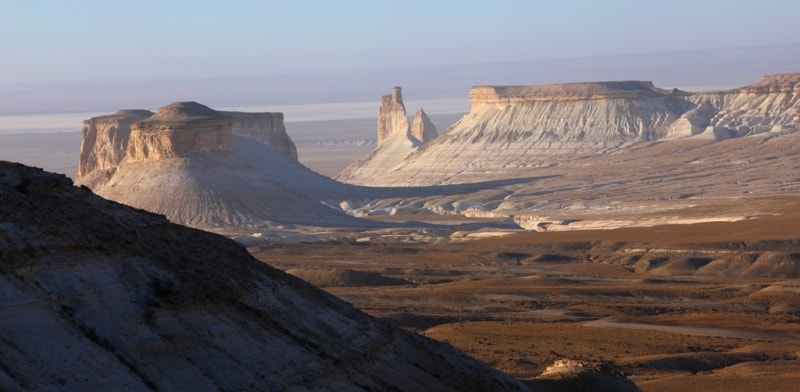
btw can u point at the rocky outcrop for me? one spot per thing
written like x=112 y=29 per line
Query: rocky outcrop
x=104 y=142
x=504 y=95
x=265 y=127
x=392 y=118
x=95 y=295
x=422 y=128
x=175 y=130
x=514 y=128
x=396 y=140
x=771 y=104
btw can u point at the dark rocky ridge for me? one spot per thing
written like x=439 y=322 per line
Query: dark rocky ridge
x=98 y=296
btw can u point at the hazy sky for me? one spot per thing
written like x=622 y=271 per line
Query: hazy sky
x=80 y=55
x=78 y=40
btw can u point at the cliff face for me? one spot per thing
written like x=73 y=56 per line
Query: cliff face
x=187 y=163
x=392 y=118
x=105 y=140
x=264 y=127
x=178 y=129
x=514 y=128
x=95 y=295
x=174 y=131
x=422 y=128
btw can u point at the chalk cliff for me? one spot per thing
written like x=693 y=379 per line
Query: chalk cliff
x=105 y=142
x=97 y=296
x=186 y=163
x=265 y=127
x=177 y=130
x=510 y=129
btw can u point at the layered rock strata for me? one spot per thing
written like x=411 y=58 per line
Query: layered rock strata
x=179 y=128
x=186 y=163
x=511 y=129
x=104 y=142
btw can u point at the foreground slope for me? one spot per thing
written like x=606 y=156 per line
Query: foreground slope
x=99 y=296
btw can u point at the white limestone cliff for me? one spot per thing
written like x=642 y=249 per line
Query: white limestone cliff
x=510 y=129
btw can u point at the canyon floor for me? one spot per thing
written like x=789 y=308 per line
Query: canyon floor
x=710 y=306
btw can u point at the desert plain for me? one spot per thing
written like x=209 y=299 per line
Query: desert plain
x=669 y=305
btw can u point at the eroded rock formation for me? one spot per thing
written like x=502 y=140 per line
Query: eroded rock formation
x=187 y=163
x=392 y=118
x=175 y=130
x=422 y=128
x=178 y=129
x=105 y=140
x=514 y=128
x=95 y=295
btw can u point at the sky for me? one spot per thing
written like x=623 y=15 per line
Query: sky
x=80 y=53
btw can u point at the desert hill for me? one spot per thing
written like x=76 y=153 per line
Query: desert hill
x=511 y=129
x=99 y=296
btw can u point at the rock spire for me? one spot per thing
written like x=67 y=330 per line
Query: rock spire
x=422 y=128
x=392 y=118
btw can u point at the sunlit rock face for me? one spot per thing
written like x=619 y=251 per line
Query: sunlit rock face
x=178 y=129
x=104 y=142
x=210 y=169
x=392 y=118
x=512 y=129
x=175 y=130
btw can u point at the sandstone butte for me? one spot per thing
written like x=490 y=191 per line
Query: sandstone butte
x=514 y=128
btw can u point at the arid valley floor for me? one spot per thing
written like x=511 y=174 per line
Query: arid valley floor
x=671 y=306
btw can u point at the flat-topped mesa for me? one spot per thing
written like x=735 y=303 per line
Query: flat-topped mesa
x=422 y=128
x=265 y=127
x=178 y=129
x=104 y=142
x=392 y=118
x=632 y=89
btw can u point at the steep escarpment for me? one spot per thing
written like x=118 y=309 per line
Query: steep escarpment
x=512 y=129
x=177 y=130
x=104 y=142
x=264 y=127
x=98 y=296
x=174 y=131
x=186 y=163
